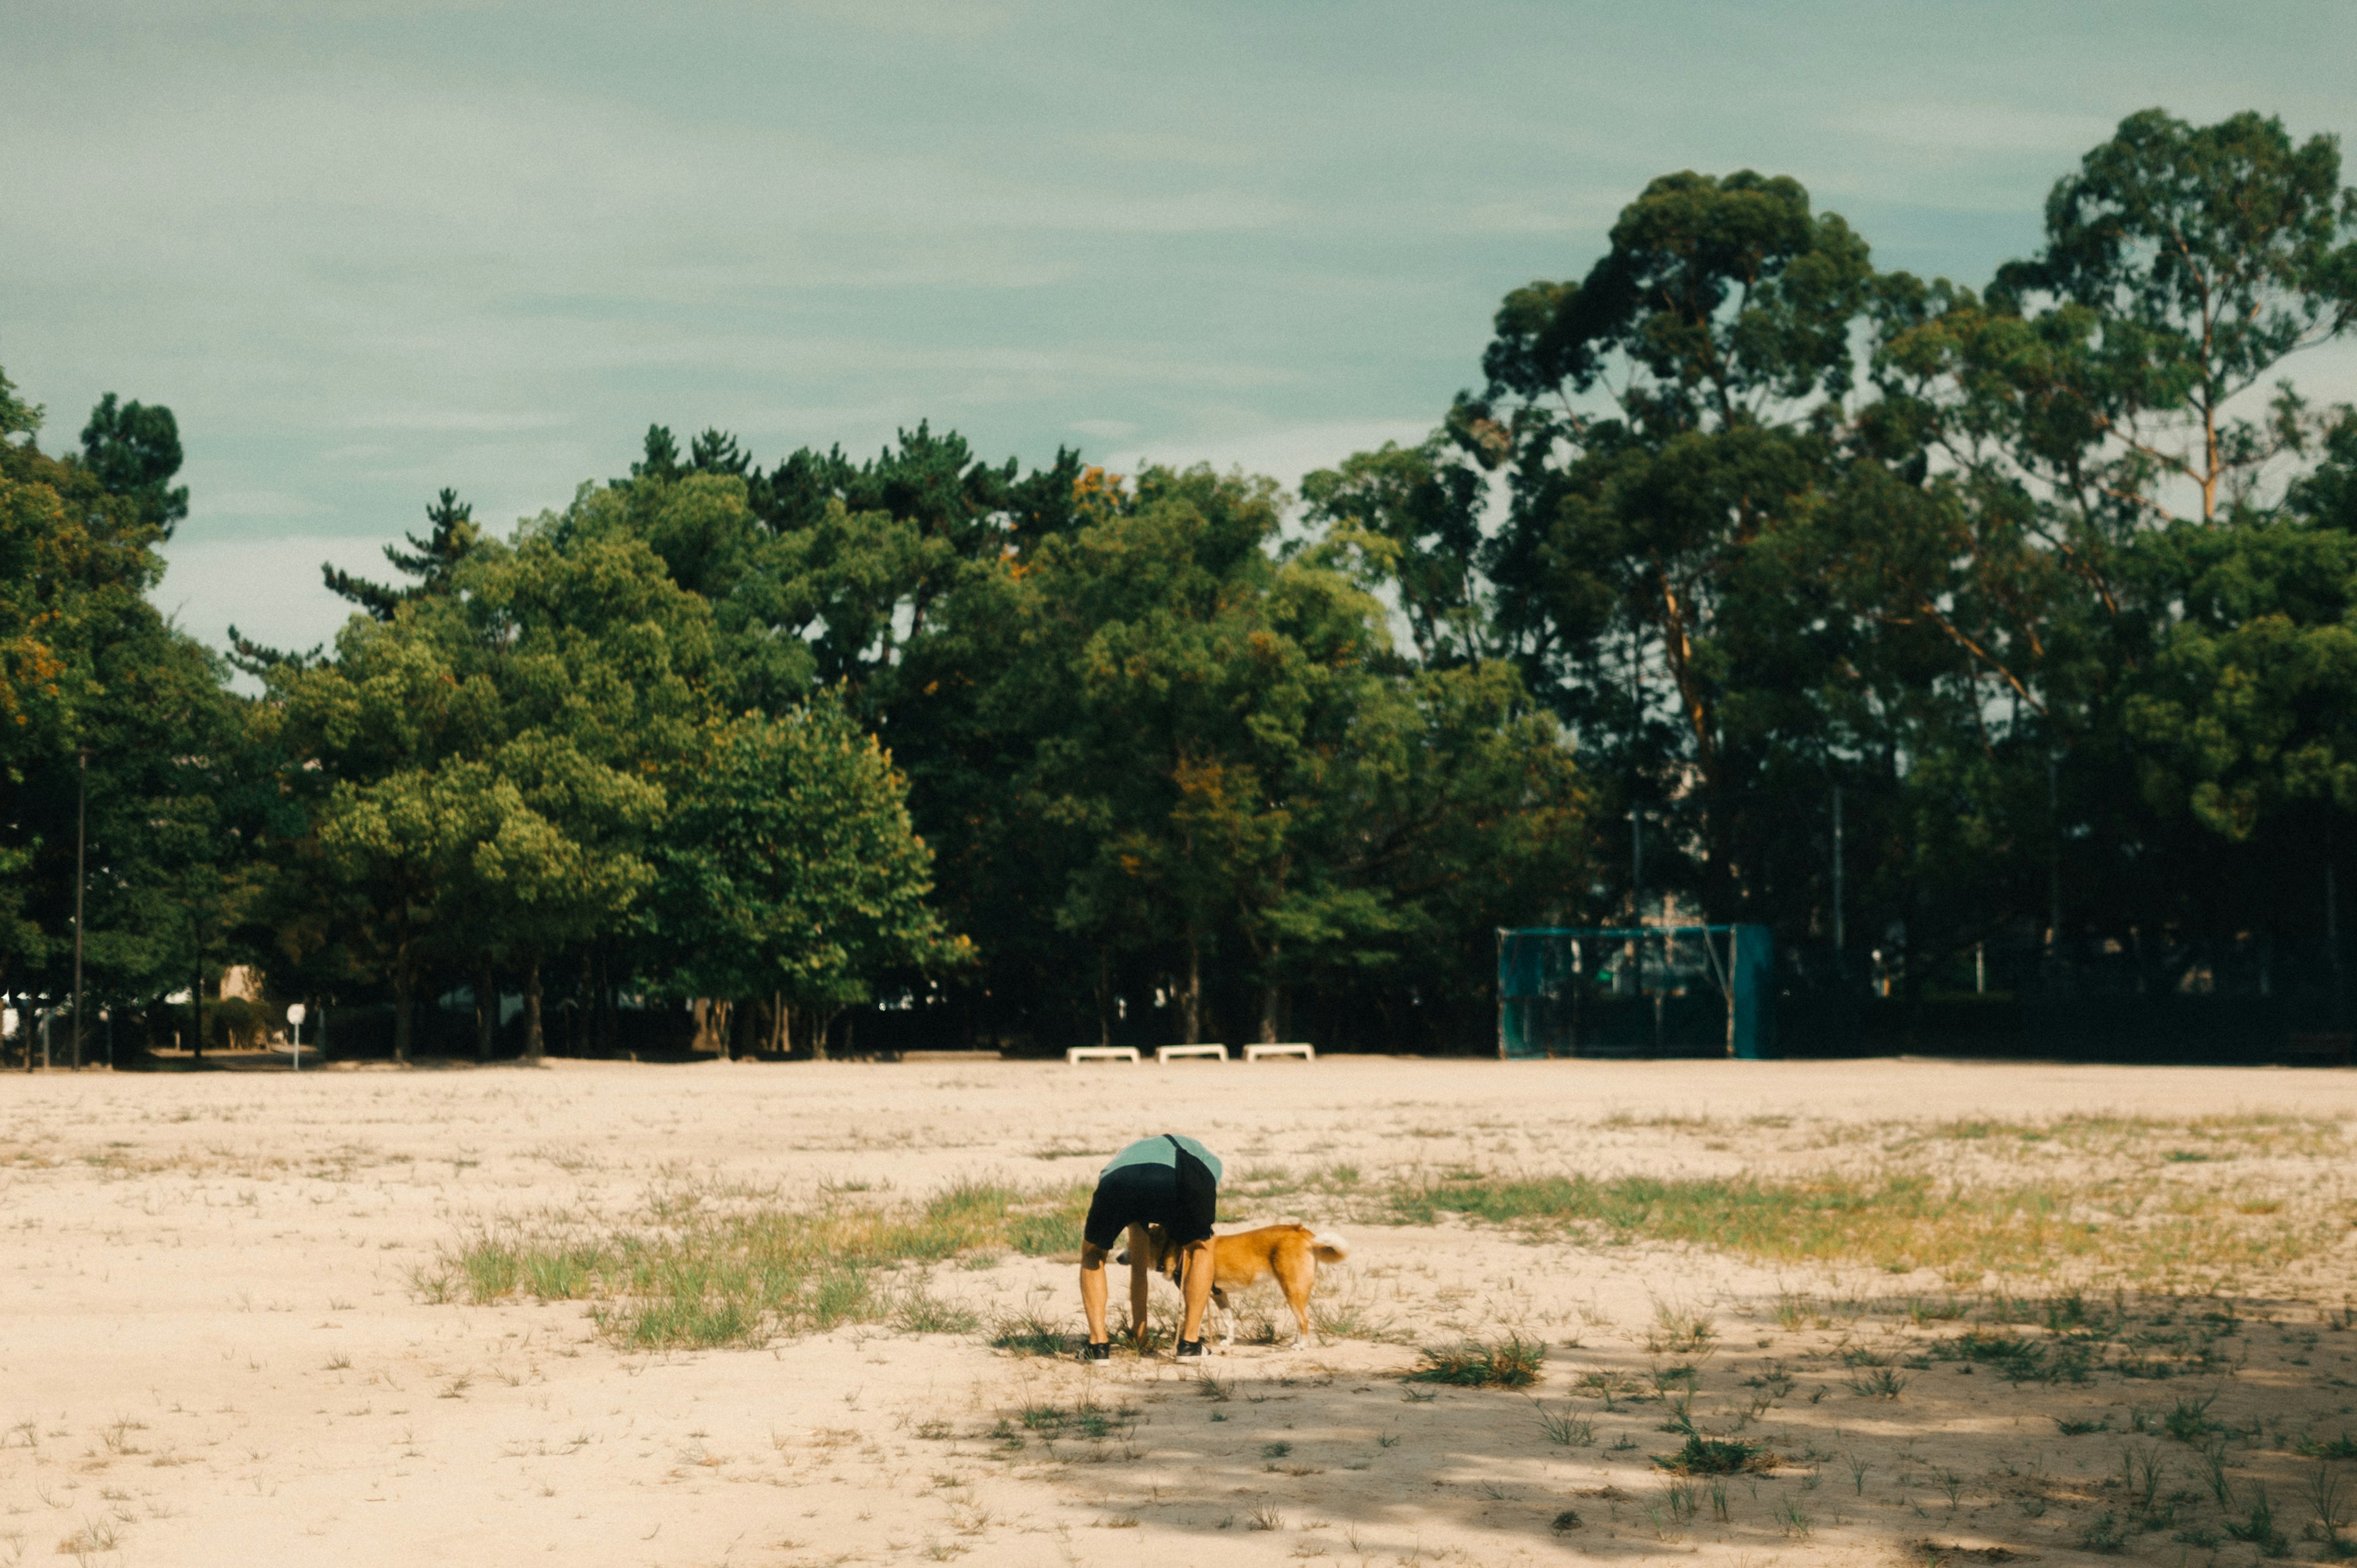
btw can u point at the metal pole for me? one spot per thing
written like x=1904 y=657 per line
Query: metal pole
x=82 y=835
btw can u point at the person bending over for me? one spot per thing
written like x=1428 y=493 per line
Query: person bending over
x=1170 y=1181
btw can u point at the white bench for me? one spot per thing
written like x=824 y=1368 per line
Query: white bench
x=1306 y=1051
x=1171 y=1053
x=1079 y=1053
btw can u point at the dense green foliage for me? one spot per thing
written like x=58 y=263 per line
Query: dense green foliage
x=2042 y=578
x=2054 y=580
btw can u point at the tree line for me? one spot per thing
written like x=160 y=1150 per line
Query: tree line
x=2050 y=580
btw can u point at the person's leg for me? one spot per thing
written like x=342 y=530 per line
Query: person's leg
x=1093 y=1290
x=1141 y=1275
x=1196 y=1262
x=1110 y=1208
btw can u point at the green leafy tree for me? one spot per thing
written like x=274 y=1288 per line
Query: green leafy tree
x=790 y=869
x=2182 y=264
x=1248 y=790
x=89 y=669
x=134 y=450
x=1656 y=421
x=486 y=758
x=2249 y=707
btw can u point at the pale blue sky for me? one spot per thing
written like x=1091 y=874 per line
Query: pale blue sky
x=364 y=250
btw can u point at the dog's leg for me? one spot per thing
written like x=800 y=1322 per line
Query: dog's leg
x=1298 y=1283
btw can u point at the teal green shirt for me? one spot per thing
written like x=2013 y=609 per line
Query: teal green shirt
x=1156 y=1151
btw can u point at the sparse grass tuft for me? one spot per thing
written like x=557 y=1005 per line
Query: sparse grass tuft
x=1512 y=1363
x=1029 y=1332
x=1882 y=1383
x=1569 y=1431
x=2258 y=1526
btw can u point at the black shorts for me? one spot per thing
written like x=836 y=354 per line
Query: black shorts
x=1183 y=1199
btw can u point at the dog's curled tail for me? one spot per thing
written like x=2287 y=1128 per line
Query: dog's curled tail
x=1328 y=1247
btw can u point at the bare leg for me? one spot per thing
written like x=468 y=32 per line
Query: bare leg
x=1141 y=1279
x=1197 y=1277
x=1093 y=1291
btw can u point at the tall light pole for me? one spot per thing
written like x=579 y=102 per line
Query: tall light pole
x=81 y=836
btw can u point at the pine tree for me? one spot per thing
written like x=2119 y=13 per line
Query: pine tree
x=430 y=560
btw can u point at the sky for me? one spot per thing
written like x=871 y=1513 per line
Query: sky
x=366 y=250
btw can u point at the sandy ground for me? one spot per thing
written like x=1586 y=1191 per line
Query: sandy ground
x=211 y=1350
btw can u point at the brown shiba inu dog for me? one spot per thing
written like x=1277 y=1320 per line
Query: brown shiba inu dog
x=1289 y=1254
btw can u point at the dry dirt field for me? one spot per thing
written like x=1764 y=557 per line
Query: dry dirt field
x=1792 y=1312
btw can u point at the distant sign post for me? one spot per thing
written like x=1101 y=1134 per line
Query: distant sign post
x=296 y=1013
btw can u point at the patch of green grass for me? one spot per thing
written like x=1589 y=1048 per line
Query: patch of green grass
x=1716 y=1456
x=2341 y=1447
x=1087 y=1419
x=1985 y=1347
x=1900 y=1221
x=699 y=1273
x=1512 y=1363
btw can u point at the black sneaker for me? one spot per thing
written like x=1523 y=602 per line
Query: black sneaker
x=1101 y=1351
x=1189 y=1350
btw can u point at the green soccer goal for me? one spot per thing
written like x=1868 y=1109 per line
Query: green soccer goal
x=1647 y=990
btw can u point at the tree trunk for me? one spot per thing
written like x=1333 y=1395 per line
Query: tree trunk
x=532 y=1044
x=1272 y=1013
x=1105 y=1005
x=196 y=1005
x=487 y=1012
x=744 y=1039
x=1191 y=996
x=781 y=1028
x=818 y=1035
x=609 y=1001
x=405 y=986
